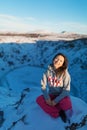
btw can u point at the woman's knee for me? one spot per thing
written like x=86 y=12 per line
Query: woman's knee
x=65 y=103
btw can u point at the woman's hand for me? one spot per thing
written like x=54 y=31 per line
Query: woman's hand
x=49 y=102
x=53 y=103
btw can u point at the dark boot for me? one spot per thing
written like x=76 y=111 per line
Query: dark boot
x=63 y=116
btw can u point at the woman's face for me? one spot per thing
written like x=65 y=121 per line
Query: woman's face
x=58 y=61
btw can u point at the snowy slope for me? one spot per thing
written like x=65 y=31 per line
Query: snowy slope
x=24 y=113
x=18 y=90
x=13 y=55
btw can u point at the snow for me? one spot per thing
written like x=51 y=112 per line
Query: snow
x=28 y=78
x=22 y=63
x=30 y=38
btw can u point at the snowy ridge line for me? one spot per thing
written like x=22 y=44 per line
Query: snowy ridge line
x=33 y=37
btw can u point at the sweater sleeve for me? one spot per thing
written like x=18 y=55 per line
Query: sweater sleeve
x=66 y=88
x=44 y=86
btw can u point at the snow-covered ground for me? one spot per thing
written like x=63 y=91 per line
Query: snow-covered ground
x=21 y=111
x=21 y=67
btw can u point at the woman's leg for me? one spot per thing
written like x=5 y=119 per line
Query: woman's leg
x=51 y=110
x=69 y=113
x=66 y=105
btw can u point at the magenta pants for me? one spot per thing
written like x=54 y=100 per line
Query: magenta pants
x=64 y=104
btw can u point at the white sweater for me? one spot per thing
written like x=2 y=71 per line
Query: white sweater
x=50 y=84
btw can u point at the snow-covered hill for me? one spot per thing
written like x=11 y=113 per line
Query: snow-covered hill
x=36 y=36
x=38 y=53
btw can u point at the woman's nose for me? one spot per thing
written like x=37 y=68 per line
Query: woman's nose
x=58 y=61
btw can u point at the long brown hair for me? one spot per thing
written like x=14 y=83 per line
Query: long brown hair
x=62 y=69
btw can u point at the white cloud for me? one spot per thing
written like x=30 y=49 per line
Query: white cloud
x=12 y=23
x=3 y=16
x=30 y=18
x=72 y=27
x=26 y=24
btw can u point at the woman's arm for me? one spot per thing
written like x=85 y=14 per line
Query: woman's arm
x=66 y=88
x=44 y=87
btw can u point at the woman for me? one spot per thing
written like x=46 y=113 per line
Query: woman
x=55 y=86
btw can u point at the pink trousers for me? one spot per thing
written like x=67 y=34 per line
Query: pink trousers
x=64 y=104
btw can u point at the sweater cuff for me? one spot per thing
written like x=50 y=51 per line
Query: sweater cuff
x=45 y=94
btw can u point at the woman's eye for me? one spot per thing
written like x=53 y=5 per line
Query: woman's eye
x=55 y=60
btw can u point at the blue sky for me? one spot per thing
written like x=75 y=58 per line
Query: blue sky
x=43 y=15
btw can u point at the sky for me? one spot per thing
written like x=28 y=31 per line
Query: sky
x=43 y=15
